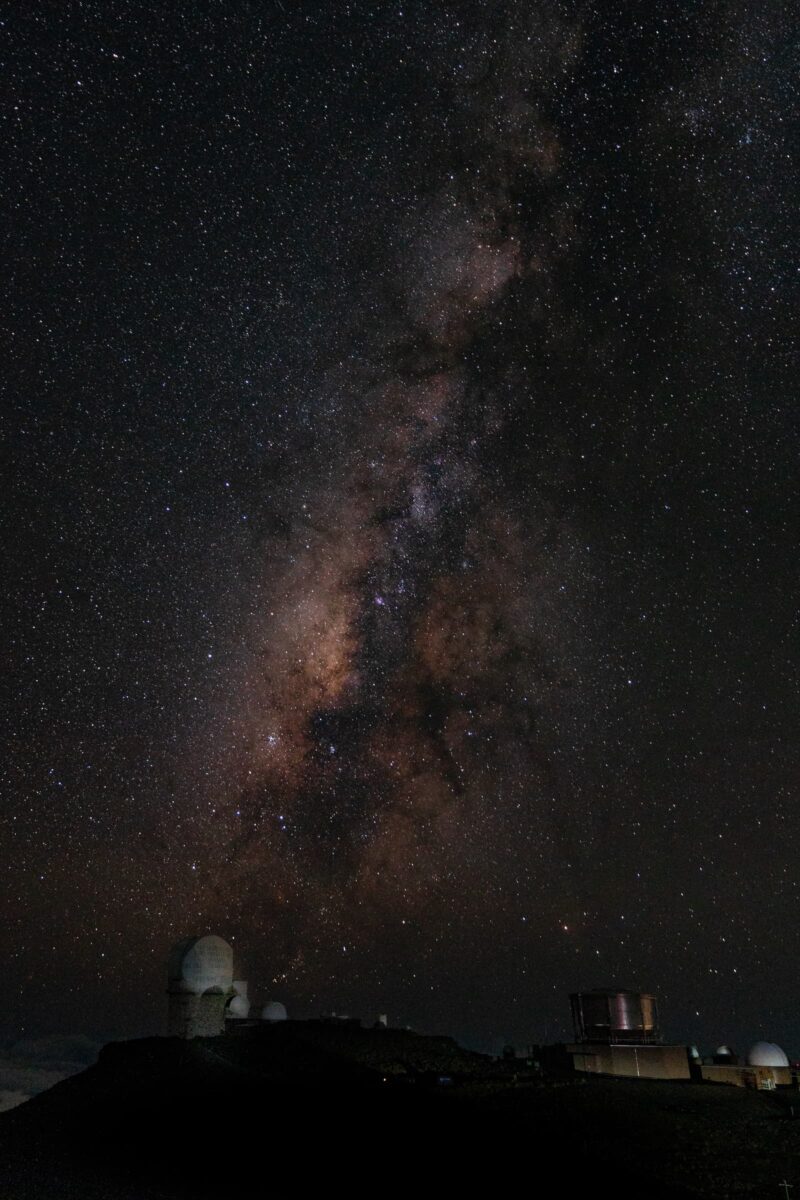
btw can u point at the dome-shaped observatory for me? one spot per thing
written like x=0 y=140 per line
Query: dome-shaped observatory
x=200 y=985
x=273 y=1010
x=201 y=964
x=766 y=1054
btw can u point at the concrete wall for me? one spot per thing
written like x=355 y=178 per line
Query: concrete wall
x=743 y=1076
x=196 y=1016
x=639 y=1062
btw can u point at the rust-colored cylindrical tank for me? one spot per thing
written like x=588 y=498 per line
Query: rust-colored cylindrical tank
x=615 y=1016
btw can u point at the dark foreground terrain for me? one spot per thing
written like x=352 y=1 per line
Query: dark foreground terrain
x=296 y=1109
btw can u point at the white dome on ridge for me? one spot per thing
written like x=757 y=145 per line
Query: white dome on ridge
x=240 y=1004
x=202 y=964
x=273 y=1011
x=766 y=1054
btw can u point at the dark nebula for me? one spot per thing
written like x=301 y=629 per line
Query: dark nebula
x=402 y=510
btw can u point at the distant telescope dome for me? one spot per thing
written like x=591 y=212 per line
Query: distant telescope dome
x=240 y=1004
x=202 y=964
x=273 y=1011
x=766 y=1054
x=239 y=1007
x=723 y=1052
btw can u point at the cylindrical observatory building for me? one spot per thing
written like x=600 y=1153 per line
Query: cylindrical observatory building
x=200 y=985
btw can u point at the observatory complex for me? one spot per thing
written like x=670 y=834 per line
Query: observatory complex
x=616 y=1032
x=202 y=993
x=765 y=1067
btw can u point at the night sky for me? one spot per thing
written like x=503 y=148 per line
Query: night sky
x=401 y=516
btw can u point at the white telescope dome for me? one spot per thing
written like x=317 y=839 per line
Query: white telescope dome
x=240 y=1004
x=239 y=1007
x=273 y=1011
x=202 y=964
x=766 y=1054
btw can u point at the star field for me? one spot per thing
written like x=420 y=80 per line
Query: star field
x=401 y=510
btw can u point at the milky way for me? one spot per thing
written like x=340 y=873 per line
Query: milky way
x=389 y=737
x=401 y=521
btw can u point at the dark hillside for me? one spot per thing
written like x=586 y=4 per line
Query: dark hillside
x=286 y=1110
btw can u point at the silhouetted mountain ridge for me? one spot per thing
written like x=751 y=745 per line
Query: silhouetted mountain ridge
x=285 y=1110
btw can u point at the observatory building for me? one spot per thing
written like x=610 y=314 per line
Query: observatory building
x=617 y=1033
x=273 y=1010
x=767 y=1054
x=204 y=998
x=239 y=1006
x=766 y=1068
x=615 y=1018
x=201 y=987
